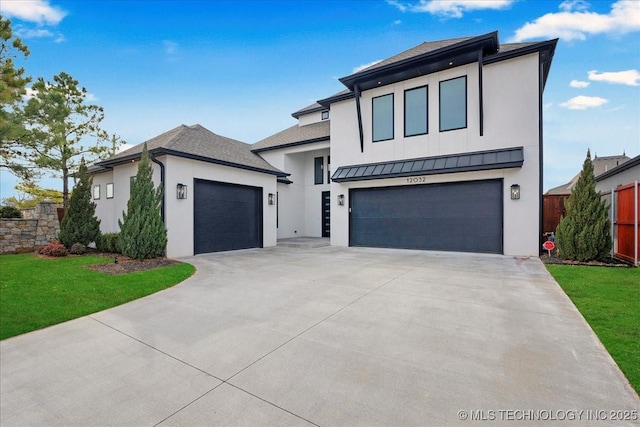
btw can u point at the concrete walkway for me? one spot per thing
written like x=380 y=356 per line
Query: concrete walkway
x=326 y=336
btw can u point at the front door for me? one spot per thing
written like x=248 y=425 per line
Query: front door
x=326 y=214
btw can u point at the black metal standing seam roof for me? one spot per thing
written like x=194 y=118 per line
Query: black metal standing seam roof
x=467 y=162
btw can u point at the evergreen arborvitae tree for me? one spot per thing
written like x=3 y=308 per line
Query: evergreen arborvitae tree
x=80 y=224
x=584 y=235
x=142 y=232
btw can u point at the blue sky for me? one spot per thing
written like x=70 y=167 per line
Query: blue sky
x=240 y=68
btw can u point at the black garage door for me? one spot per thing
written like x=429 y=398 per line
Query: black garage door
x=463 y=216
x=226 y=217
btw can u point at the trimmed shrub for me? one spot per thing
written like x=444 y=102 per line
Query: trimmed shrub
x=142 y=232
x=80 y=224
x=583 y=235
x=54 y=248
x=108 y=242
x=10 y=212
x=78 y=249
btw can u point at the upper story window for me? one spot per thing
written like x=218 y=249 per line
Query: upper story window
x=318 y=170
x=96 y=192
x=110 y=191
x=383 y=118
x=415 y=111
x=453 y=104
x=325 y=115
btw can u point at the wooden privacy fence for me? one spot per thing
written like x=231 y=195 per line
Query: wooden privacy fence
x=626 y=228
x=552 y=210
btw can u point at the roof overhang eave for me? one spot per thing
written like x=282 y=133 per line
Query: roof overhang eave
x=111 y=163
x=455 y=55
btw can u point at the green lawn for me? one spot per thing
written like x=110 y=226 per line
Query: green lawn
x=609 y=299
x=36 y=292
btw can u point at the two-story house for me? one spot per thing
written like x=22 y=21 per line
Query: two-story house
x=437 y=148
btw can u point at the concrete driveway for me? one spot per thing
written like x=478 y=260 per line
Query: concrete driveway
x=326 y=336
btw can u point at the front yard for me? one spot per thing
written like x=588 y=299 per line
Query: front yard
x=37 y=292
x=609 y=299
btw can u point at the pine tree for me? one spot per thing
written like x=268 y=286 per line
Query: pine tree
x=142 y=232
x=584 y=235
x=80 y=224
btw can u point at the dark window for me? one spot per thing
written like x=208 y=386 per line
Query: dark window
x=325 y=115
x=415 y=111
x=453 y=104
x=328 y=169
x=319 y=170
x=383 y=118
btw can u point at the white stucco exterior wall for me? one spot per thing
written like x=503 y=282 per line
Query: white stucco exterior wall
x=300 y=203
x=511 y=119
x=179 y=213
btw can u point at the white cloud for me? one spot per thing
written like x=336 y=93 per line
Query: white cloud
x=90 y=97
x=397 y=22
x=574 y=22
x=584 y=102
x=363 y=66
x=450 y=8
x=578 y=84
x=570 y=5
x=36 y=11
x=628 y=77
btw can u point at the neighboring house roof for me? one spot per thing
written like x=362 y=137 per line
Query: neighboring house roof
x=481 y=160
x=295 y=135
x=620 y=168
x=600 y=166
x=198 y=143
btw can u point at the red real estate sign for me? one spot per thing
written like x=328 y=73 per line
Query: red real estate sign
x=549 y=245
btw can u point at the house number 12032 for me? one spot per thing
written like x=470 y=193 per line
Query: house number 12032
x=416 y=180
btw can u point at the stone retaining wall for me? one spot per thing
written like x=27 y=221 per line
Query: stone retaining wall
x=26 y=234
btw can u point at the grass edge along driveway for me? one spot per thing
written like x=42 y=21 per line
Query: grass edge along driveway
x=37 y=292
x=609 y=300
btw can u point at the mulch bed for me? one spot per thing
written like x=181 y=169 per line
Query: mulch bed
x=607 y=262
x=121 y=264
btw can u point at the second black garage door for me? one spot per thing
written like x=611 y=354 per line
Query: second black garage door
x=462 y=216
x=226 y=217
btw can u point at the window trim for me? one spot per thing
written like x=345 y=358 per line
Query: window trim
x=426 y=87
x=466 y=103
x=109 y=190
x=373 y=126
x=96 y=192
x=318 y=176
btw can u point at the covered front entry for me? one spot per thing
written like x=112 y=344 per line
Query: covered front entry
x=461 y=216
x=226 y=216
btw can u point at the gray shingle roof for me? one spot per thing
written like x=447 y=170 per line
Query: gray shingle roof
x=295 y=135
x=600 y=166
x=308 y=109
x=198 y=142
x=421 y=49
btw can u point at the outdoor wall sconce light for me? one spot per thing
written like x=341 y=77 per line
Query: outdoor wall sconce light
x=515 y=192
x=271 y=199
x=181 y=191
x=341 y=200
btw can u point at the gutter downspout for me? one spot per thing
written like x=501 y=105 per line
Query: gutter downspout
x=164 y=192
x=356 y=89
x=480 y=97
